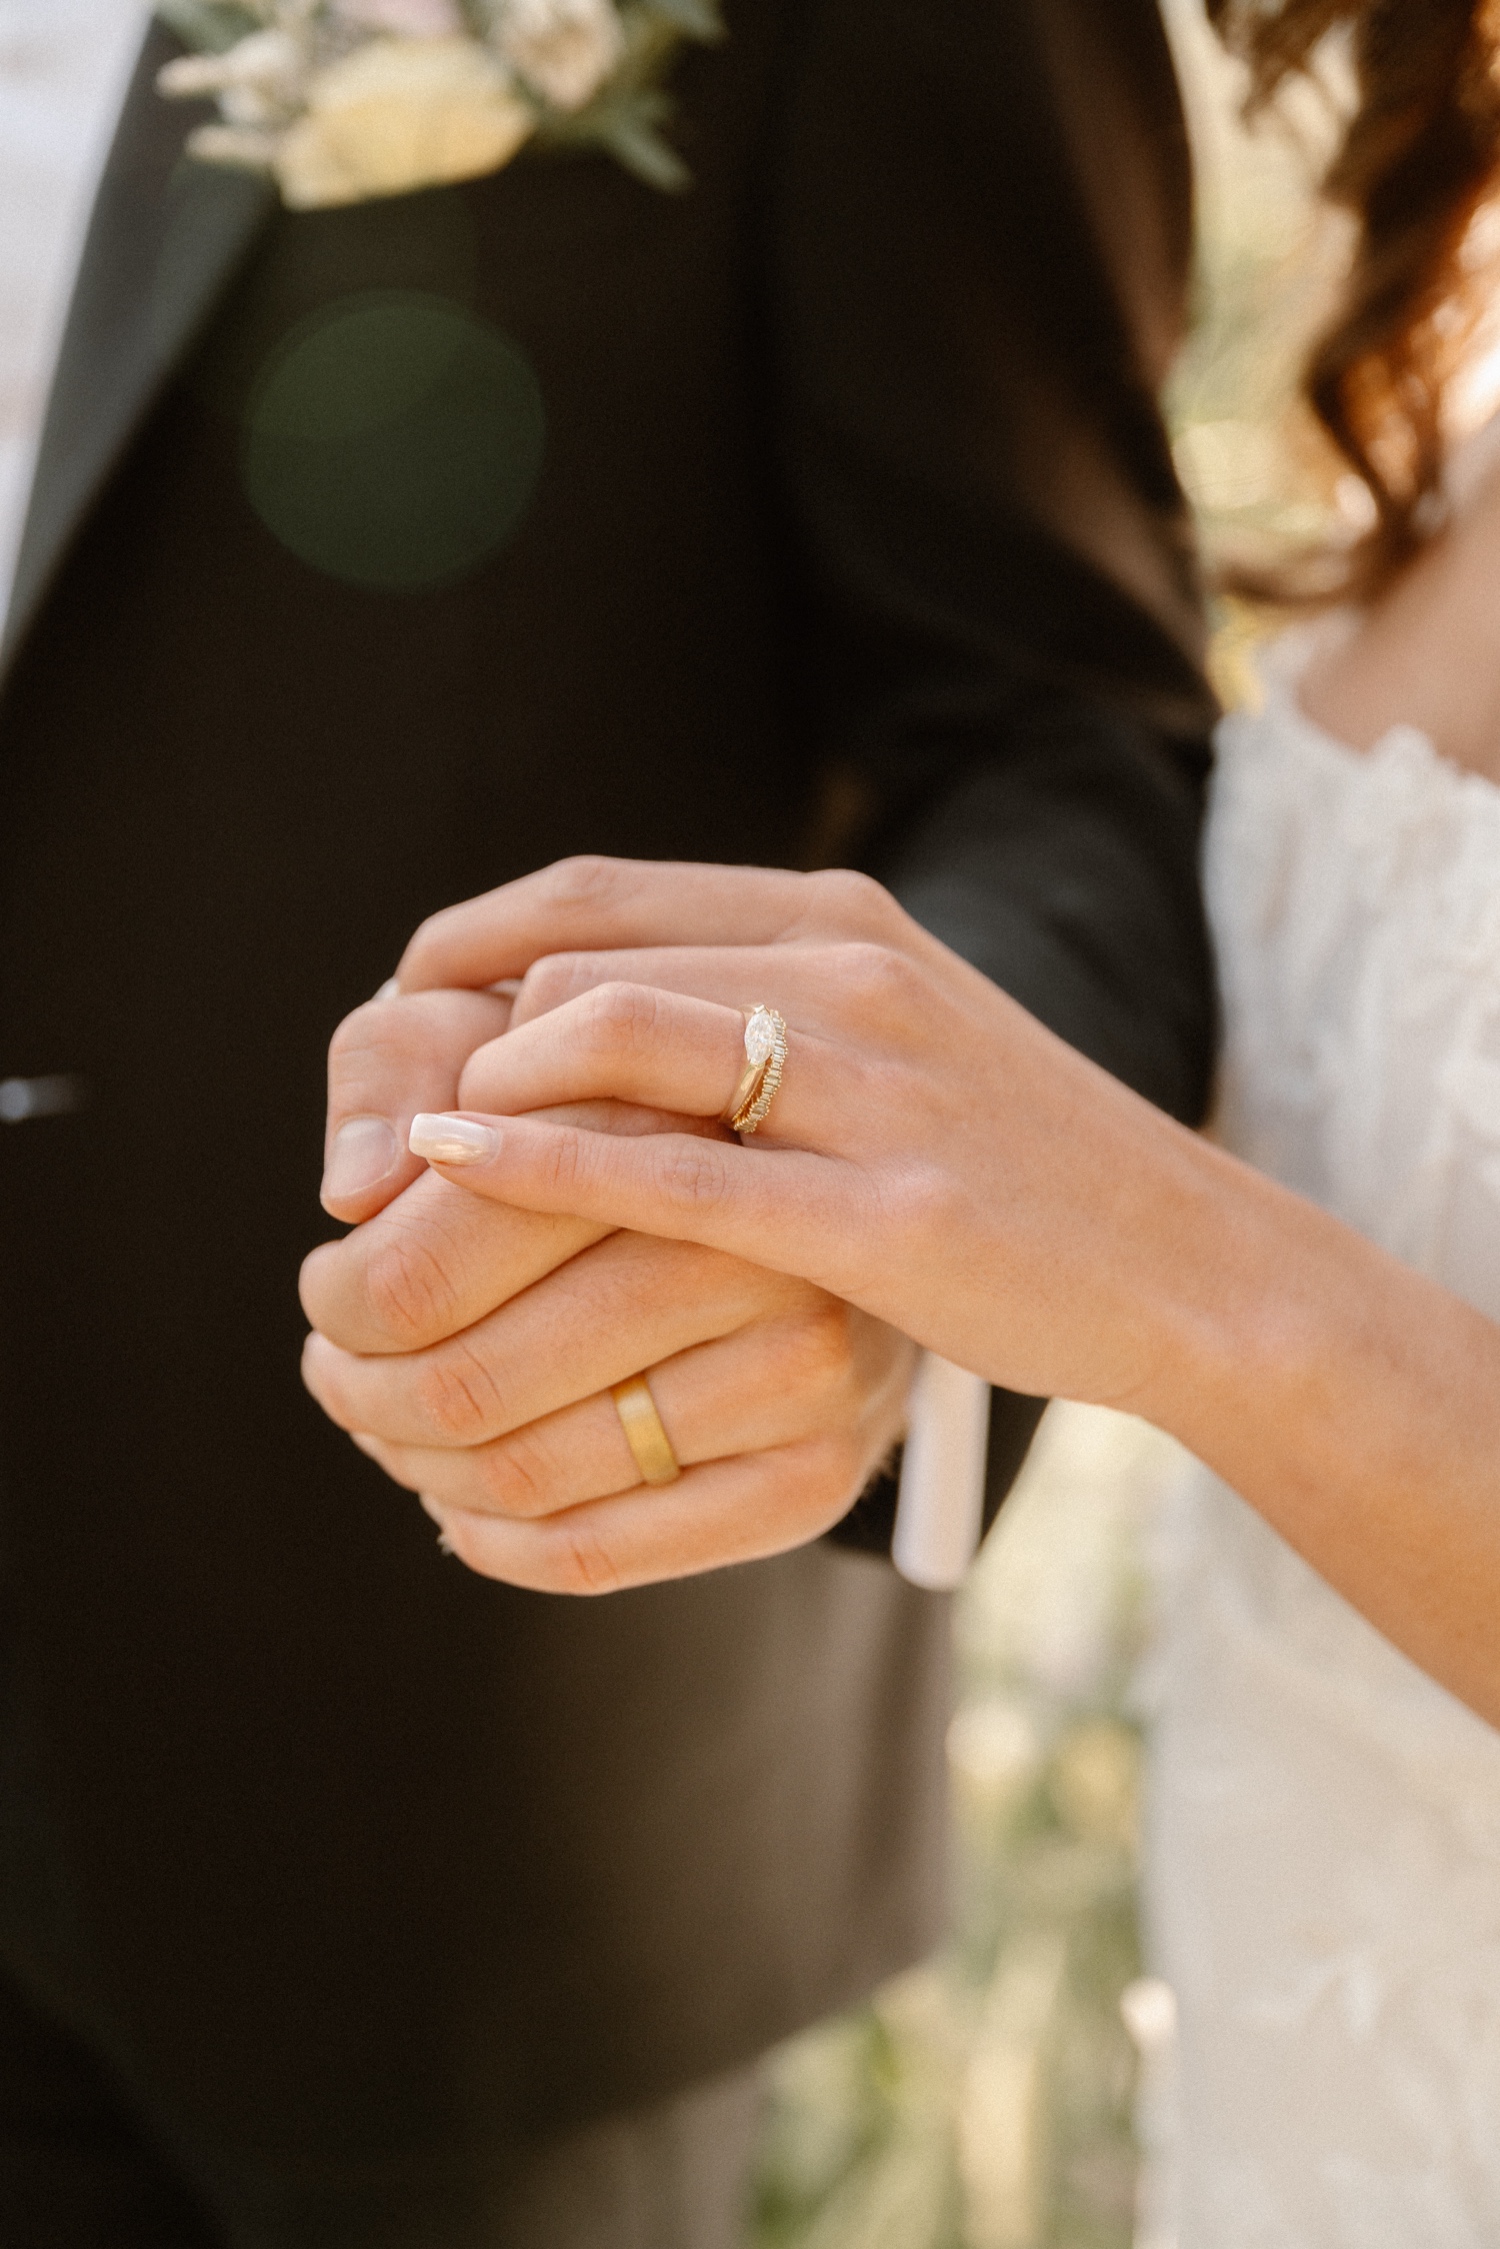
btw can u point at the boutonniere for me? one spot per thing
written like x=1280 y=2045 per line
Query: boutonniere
x=343 y=100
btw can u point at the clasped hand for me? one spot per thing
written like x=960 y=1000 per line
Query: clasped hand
x=469 y=1346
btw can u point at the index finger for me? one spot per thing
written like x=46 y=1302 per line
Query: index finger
x=588 y=904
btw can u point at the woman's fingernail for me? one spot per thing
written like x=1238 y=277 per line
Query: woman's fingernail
x=364 y=1151
x=389 y=990
x=451 y=1140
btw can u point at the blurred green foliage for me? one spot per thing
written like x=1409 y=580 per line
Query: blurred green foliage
x=983 y=2101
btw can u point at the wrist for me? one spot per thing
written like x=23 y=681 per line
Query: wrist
x=1240 y=1284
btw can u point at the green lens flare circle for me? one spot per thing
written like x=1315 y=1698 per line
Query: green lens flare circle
x=394 y=440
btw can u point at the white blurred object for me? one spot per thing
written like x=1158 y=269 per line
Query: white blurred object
x=64 y=66
x=1149 y=2010
x=940 y=1507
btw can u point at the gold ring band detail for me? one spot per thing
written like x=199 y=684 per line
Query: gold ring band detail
x=765 y=1052
x=745 y=1092
x=648 y=1440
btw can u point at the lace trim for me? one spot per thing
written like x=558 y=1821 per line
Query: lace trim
x=1356 y=899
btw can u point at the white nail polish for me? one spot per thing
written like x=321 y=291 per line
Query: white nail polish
x=451 y=1140
x=389 y=990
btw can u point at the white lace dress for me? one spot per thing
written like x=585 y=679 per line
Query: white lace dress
x=1323 y=1878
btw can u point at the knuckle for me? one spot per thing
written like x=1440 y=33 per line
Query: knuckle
x=457 y=1395
x=586 y=879
x=921 y=1203
x=518 y=1477
x=322 y=1374
x=822 y=1344
x=407 y=1287
x=429 y=936
x=623 y=1017
x=692 y=1174
x=482 y=1076
x=548 y=984
x=852 y=900
x=563 y=1164
x=818 y=1481
x=578 y=1560
x=358 y=1032
x=880 y=979
x=835 y=1471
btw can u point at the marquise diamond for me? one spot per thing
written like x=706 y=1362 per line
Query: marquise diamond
x=760 y=1036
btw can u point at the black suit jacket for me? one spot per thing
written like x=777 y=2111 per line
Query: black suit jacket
x=855 y=538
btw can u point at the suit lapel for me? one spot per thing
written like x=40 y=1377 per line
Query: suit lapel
x=165 y=236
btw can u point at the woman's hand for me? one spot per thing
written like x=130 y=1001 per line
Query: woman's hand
x=939 y=1159
x=933 y=1155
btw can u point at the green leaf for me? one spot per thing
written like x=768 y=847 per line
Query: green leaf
x=696 y=19
x=208 y=26
x=634 y=141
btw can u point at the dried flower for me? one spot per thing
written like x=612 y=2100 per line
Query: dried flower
x=564 y=49
x=340 y=100
x=398 y=114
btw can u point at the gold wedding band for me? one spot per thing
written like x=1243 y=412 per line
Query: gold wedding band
x=644 y=1433
x=765 y=1059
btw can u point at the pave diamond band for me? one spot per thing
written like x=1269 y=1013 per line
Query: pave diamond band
x=760 y=1045
x=765 y=1059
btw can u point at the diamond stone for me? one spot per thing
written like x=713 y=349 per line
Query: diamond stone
x=760 y=1036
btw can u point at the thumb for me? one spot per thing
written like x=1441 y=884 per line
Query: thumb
x=387 y=1060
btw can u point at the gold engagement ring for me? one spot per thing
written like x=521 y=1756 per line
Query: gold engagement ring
x=765 y=1059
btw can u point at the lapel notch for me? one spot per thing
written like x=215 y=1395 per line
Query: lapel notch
x=165 y=236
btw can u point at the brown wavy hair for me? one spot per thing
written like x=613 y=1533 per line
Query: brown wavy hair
x=1418 y=156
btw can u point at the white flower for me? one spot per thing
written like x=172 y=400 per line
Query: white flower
x=398 y=114
x=564 y=48
x=258 y=80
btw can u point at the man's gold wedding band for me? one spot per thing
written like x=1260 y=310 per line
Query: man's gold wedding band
x=765 y=1059
x=644 y=1433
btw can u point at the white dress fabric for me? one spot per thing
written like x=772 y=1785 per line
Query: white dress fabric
x=1323 y=1859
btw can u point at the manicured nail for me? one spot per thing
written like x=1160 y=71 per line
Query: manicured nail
x=364 y=1150
x=389 y=990
x=451 y=1140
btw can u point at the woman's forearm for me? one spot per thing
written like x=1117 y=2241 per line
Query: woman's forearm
x=1352 y=1402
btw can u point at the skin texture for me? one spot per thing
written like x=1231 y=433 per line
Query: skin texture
x=470 y=1348
x=941 y=1161
x=1426 y=654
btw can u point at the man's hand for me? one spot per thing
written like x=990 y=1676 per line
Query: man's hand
x=470 y=1348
